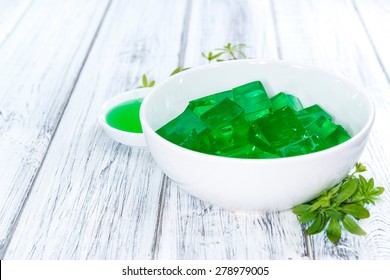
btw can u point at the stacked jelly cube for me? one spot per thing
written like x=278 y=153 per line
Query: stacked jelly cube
x=245 y=123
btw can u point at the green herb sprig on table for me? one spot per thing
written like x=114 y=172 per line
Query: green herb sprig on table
x=341 y=206
x=146 y=83
x=228 y=52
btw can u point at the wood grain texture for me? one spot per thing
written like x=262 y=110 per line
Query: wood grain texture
x=11 y=13
x=94 y=198
x=40 y=63
x=331 y=35
x=91 y=198
x=375 y=17
x=191 y=228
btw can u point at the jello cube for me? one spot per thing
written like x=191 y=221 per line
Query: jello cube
x=304 y=146
x=283 y=99
x=310 y=114
x=253 y=98
x=329 y=133
x=201 y=105
x=247 y=151
x=336 y=137
x=257 y=138
x=227 y=124
x=183 y=129
x=280 y=128
x=222 y=114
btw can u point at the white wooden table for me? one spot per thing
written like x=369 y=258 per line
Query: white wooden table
x=67 y=191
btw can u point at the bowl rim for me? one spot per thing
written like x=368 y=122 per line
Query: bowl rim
x=366 y=128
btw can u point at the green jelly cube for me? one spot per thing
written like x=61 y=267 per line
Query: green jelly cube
x=227 y=128
x=253 y=98
x=280 y=128
x=247 y=151
x=201 y=105
x=283 y=99
x=257 y=138
x=329 y=133
x=336 y=137
x=183 y=129
x=230 y=136
x=217 y=141
x=202 y=143
x=304 y=146
x=312 y=113
x=222 y=113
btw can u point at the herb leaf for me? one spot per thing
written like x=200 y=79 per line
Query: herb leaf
x=146 y=83
x=318 y=224
x=334 y=230
x=340 y=205
x=352 y=226
x=347 y=190
x=356 y=210
x=178 y=70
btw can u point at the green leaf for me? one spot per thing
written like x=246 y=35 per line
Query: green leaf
x=216 y=55
x=359 y=167
x=322 y=202
x=177 y=70
x=307 y=217
x=301 y=209
x=334 y=190
x=363 y=183
x=370 y=184
x=356 y=210
x=318 y=224
x=151 y=84
x=334 y=230
x=377 y=191
x=334 y=214
x=352 y=227
x=347 y=190
x=144 y=80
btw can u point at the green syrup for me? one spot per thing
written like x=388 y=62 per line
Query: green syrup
x=125 y=116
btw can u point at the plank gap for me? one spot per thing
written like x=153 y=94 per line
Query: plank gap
x=158 y=227
x=184 y=36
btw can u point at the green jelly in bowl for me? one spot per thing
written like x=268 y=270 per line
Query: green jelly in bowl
x=119 y=118
x=257 y=184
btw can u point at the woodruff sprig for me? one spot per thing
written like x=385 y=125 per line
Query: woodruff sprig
x=341 y=206
x=227 y=52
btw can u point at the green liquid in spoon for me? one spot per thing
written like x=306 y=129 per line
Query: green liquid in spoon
x=125 y=116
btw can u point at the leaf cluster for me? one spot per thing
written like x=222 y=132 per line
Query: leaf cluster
x=146 y=83
x=341 y=206
x=227 y=52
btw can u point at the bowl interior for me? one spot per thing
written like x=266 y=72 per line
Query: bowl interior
x=349 y=107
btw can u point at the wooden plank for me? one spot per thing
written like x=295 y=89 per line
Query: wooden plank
x=40 y=63
x=94 y=198
x=11 y=13
x=330 y=35
x=191 y=228
x=375 y=16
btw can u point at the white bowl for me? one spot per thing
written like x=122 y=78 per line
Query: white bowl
x=124 y=137
x=253 y=184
